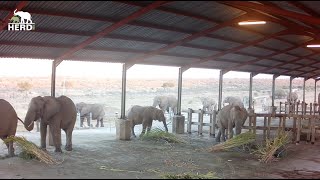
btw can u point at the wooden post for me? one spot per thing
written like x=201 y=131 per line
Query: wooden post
x=298 y=130
x=264 y=127
x=189 y=120
x=309 y=129
x=213 y=123
x=294 y=128
x=269 y=124
x=200 y=126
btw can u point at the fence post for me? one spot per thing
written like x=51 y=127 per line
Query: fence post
x=200 y=126
x=189 y=120
x=213 y=123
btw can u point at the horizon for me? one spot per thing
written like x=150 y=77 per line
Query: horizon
x=18 y=67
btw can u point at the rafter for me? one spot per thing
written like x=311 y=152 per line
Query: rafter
x=279 y=11
x=184 y=40
x=6 y=20
x=109 y=29
x=211 y=58
x=304 y=8
x=265 y=57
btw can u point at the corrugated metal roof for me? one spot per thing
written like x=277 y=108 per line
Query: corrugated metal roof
x=300 y=51
x=107 y=55
x=146 y=32
x=256 y=51
x=9 y=4
x=249 y=67
x=67 y=23
x=42 y=51
x=307 y=68
x=222 y=64
x=275 y=44
x=210 y=9
x=172 y=20
x=30 y=36
x=297 y=39
x=169 y=59
x=284 y=57
x=287 y=6
x=237 y=57
x=98 y=8
x=267 y=62
x=237 y=34
x=291 y=66
x=192 y=51
x=216 y=43
x=314 y=5
x=117 y=43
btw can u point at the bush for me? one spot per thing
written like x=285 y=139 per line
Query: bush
x=280 y=94
x=24 y=86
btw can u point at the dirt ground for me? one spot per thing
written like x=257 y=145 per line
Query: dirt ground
x=97 y=154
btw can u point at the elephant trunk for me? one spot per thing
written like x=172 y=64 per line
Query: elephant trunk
x=29 y=120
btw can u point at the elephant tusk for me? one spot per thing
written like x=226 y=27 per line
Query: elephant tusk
x=31 y=123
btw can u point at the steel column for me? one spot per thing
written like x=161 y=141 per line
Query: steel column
x=290 y=84
x=273 y=87
x=220 y=89
x=123 y=91
x=250 y=91
x=315 y=90
x=304 y=90
x=179 y=91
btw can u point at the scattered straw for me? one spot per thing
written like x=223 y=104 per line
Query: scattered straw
x=32 y=150
x=239 y=140
x=266 y=152
x=209 y=175
x=159 y=134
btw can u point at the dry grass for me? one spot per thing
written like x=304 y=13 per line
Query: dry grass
x=209 y=175
x=30 y=150
x=266 y=152
x=161 y=135
x=239 y=140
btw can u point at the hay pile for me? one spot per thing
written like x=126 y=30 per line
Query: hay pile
x=209 y=175
x=161 y=135
x=239 y=140
x=29 y=149
x=267 y=152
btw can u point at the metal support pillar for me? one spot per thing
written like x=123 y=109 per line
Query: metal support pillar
x=250 y=91
x=290 y=85
x=123 y=91
x=304 y=90
x=315 y=90
x=220 y=89
x=179 y=92
x=53 y=93
x=273 y=88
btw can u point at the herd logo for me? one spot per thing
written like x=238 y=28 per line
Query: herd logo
x=21 y=21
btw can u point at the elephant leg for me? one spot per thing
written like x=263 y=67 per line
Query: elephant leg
x=218 y=135
x=43 y=135
x=101 y=122
x=223 y=134
x=38 y=126
x=56 y=136
x=132 y=130
x=68 y=146
x=10 y=147
x=149 y=127
x=144 y=126
x=81 y=121
x=97 y=125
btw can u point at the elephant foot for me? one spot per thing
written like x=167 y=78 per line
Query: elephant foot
x=58 y=150
x=102 y=125
x=68 y=148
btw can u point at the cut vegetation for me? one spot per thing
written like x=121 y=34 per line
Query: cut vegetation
x=161 y=135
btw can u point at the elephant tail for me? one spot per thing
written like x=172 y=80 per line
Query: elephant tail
x=20 y=120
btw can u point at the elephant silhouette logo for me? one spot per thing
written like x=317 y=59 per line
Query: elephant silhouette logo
x=25 y=16
x=21 y=21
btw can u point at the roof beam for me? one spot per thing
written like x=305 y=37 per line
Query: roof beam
x=308 y=65
x=184 y=40
x=303 y=8
x=211 y=58
x=279 y=11
x=265 y=57
x=6 y=20
x=109 y=29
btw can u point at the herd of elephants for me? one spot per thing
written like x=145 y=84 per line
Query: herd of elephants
x=61 y=113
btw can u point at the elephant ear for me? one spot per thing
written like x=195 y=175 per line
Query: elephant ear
x=51 y=107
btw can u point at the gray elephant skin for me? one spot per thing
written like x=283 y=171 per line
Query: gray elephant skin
x=208 y=104
x=164 y=102
x=59 y=113
x=8 y=123
x=233 y=101
x=145 y=115
x=229 y=117
x=96 y=110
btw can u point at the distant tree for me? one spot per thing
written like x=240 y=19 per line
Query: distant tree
x=167 y=85
x=280 y=94
x=24 y=87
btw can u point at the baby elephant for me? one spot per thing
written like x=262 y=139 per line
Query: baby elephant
x=229 y=117
x=145 y=115
x=96 y=110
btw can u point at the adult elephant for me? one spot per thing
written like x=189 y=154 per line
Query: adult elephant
x=231 y=100
x=292 y=98
x=59 y=113
x=8 y=123
x=208 y=104
x=166 y=102
x=145 y=115
x=96 y=111
x=230 y=116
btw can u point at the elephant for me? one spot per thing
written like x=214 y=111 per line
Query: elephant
x=15 y=19
x=228 y=117
x=145 y=115
x=165 y=102
x=233 y=101
x=25 y=16
x=292 y=99
x=208 y=104
x=57 y=112
x=8 y=123
x=96 y=110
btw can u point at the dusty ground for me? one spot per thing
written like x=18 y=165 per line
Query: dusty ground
x=97 y=154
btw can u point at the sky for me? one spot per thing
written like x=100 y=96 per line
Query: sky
x=42 y=68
